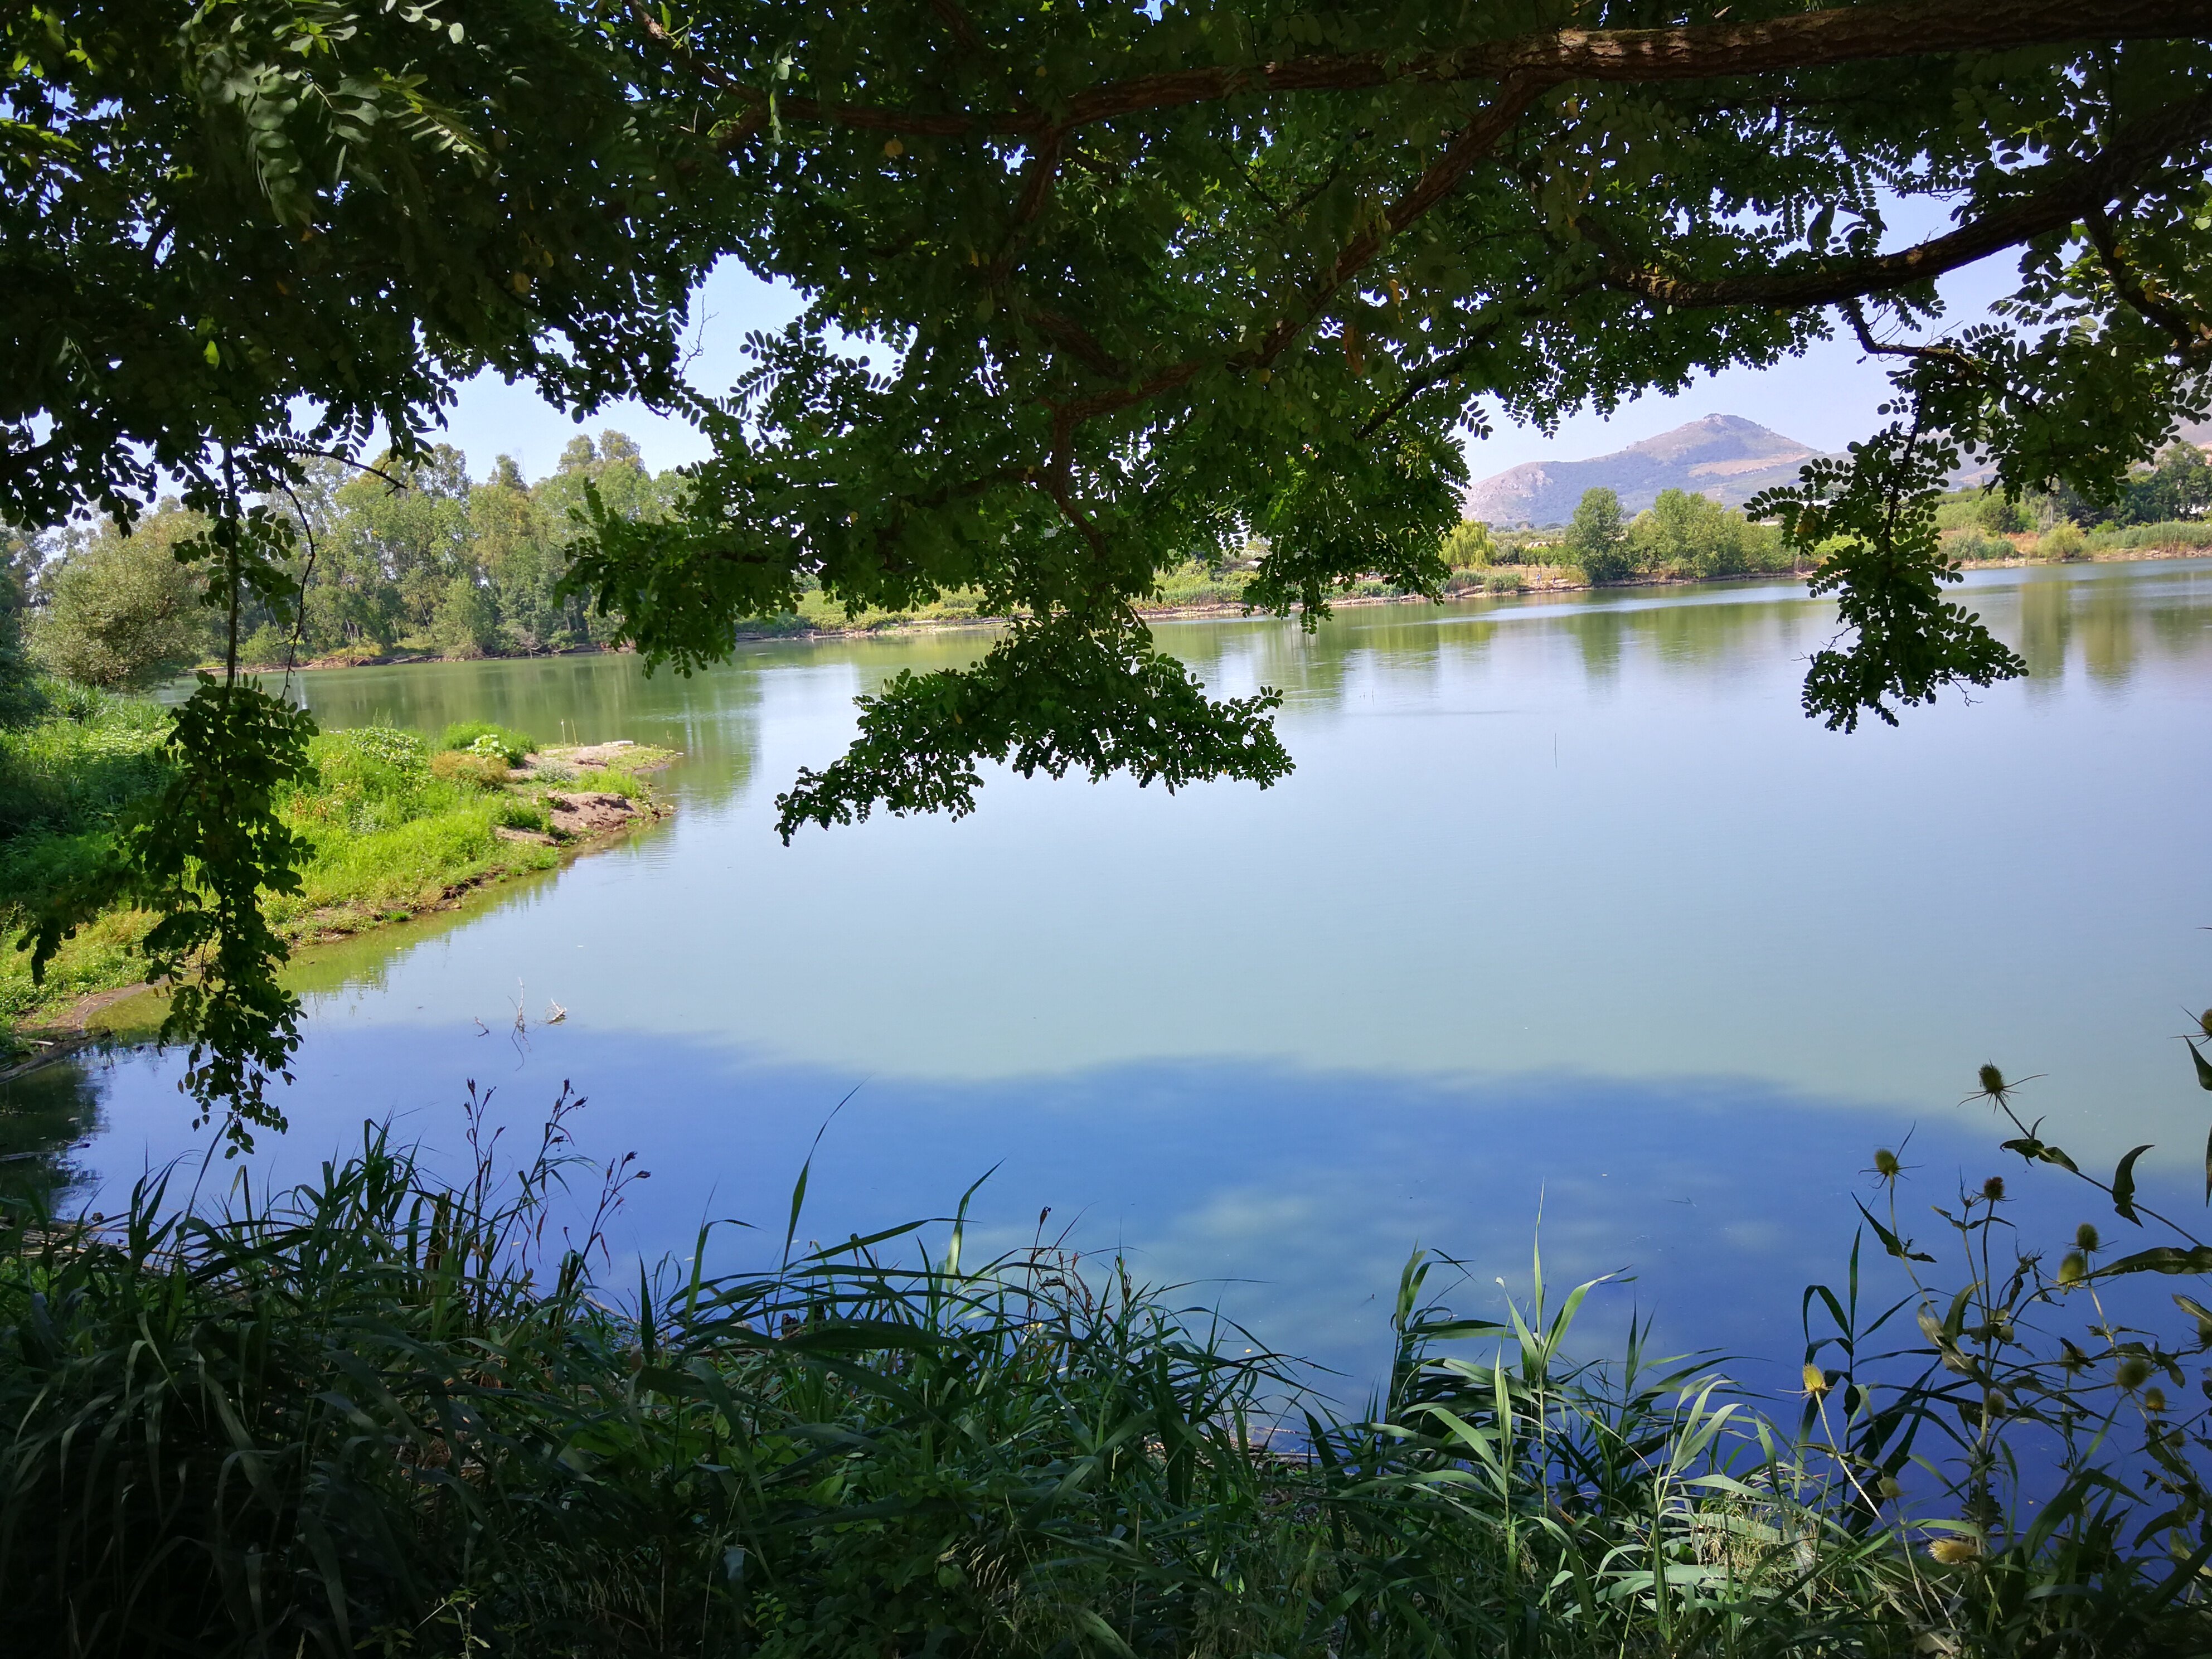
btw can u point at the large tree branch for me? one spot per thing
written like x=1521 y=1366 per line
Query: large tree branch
x=2061 y=194
x=1819 y=40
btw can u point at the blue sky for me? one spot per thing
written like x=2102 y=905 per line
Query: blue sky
x=1825 y=398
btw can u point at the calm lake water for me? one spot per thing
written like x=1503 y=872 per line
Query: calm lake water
x=1567 y=912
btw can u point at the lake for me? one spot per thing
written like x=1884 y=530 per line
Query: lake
x=1567 y=913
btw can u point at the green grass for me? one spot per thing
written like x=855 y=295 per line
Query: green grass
x=388 y=1413
x=388 y=837
x=482 y=736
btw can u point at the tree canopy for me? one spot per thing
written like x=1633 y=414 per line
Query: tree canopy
x=1131 y=283
x=1089 y=290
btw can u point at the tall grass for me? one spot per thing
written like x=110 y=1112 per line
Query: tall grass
x=387 y=1412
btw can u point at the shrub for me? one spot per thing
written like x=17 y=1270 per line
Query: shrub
x=388 y=744
x=458 y=766
x=1972 y=544
x=510 y=745
x=516 y=813
x=2063 y=540
x=2001 y=515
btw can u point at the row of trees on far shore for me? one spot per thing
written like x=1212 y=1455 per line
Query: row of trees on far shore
x=419 y=558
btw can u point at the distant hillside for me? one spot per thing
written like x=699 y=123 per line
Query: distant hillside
x=1722 y=456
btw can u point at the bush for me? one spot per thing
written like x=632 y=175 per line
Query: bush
x=2064 y=541
x=511 y=746
x=458 y=766
x=1973 y=545
x=2000 y=515
x=515 y=813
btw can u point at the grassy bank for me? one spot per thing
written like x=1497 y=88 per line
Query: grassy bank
x=394 y=824
x=383 y=1414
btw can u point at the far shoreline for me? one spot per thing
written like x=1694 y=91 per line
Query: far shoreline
x=1216 y=611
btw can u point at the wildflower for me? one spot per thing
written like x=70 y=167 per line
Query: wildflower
x=1993 y=1083
x=1890 y=1488
x=2073 y=1268
x=1952 y=1552
x=2085 y=1236
x=1816 y=1381
x=2133 y=1373
x=1885 y=1164
x=1993 y=1189
x=2154 y=1400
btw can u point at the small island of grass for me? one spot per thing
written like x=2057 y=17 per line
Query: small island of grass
x=395 y=825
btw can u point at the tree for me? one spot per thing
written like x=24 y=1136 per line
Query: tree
x=20 y=698
x=1596 y=539
x=124 y=613
x=1094 y=288
x=1131 y=284
x=464 y=625
x=213 y=214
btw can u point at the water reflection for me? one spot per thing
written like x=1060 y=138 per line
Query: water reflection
x=1287 y=1197
x=48 y=1116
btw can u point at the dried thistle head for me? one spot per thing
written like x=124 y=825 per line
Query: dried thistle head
x=2134 y=1371
x=1994 y=1088
x=2084 y=1237
x=1993 y=1189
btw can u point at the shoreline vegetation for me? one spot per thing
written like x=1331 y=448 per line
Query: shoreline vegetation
x=397 y=825
x=421 y=563
x=1198 y=594
x=394 y=1411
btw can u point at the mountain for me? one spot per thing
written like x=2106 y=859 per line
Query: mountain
x=1722 y=456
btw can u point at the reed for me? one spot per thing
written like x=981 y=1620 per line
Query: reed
x=387 y=1412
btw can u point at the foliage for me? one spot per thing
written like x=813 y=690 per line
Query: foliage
x=199 y=855
x=1047 y=697
x=1468 y=546
x=386 y=1412
x=65 y=781
x=1146 y=283
x=214 y=212
x=2063 y=541
x=1094 y=291
x=123 y=612
x=482 y=738
x=1598 y=540
x=2040 y=1397
x=1695 y=536
x=21 y=700
x=2001 y=515
x=415 y=552
x=1872 y=519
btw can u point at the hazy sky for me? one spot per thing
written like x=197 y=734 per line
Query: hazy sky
x=1825 y=398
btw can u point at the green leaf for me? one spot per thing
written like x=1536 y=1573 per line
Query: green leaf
x=2124 y=1186
x=2203 y=1068
x=1901 y=1248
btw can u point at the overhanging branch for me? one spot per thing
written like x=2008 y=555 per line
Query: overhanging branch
x=1819 y=40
